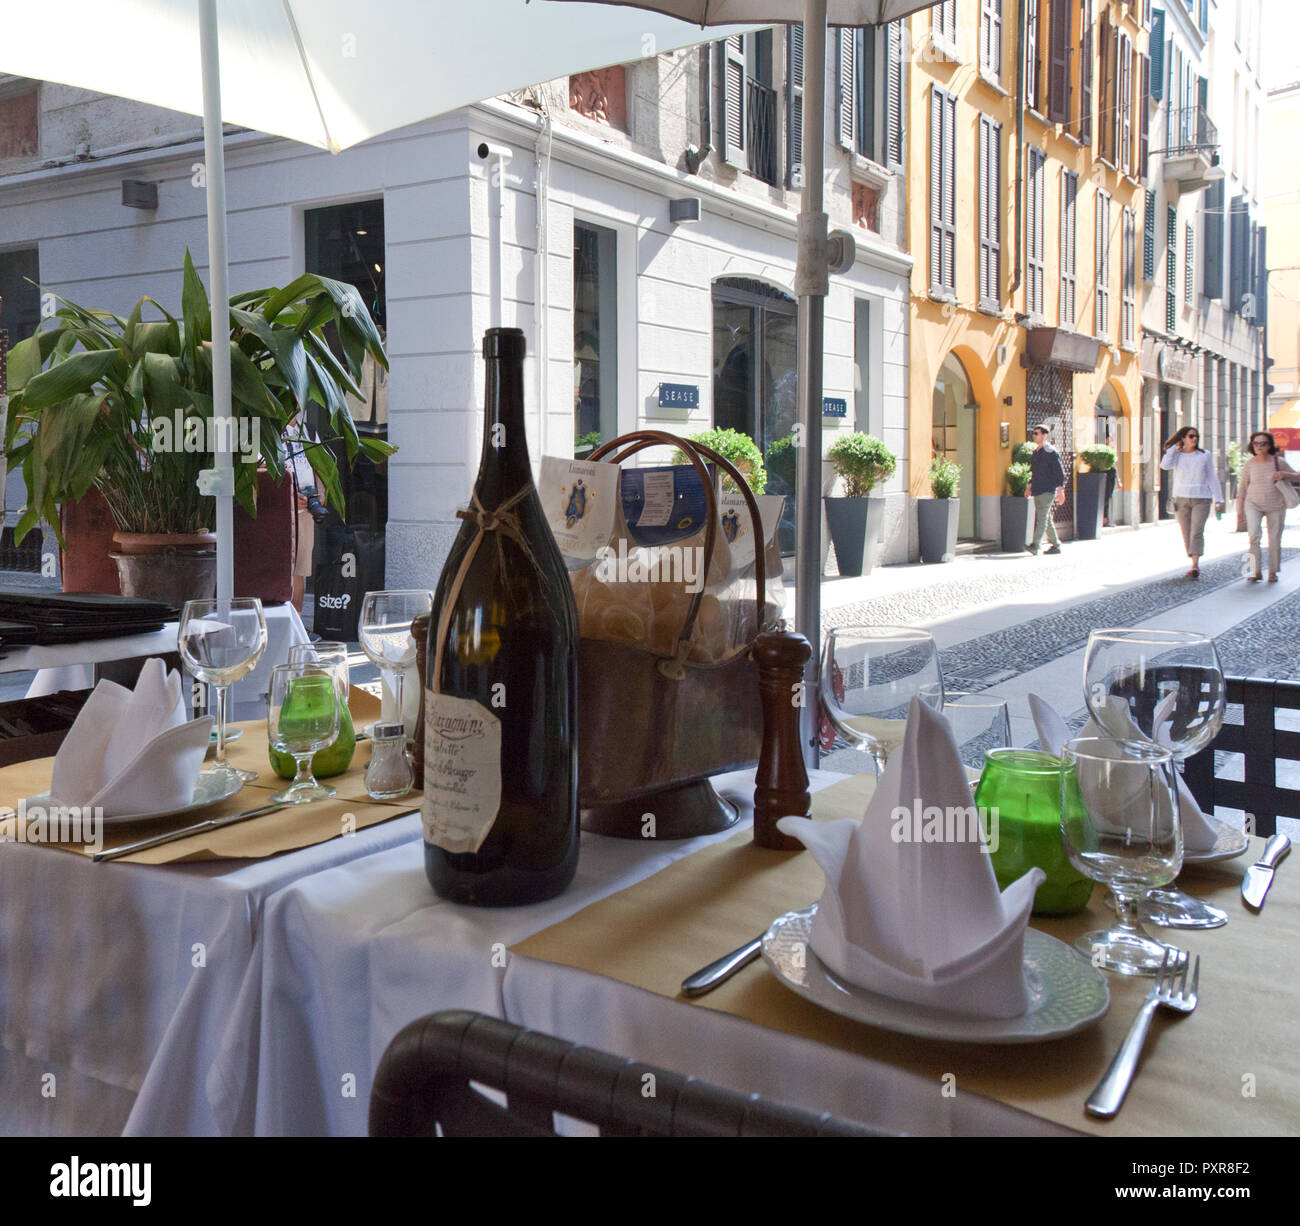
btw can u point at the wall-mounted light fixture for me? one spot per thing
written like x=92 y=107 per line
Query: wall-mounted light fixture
x=687 y=208
x=136 y=194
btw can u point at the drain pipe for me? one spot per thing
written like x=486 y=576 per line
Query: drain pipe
x=496 y=156
x=1020 y=151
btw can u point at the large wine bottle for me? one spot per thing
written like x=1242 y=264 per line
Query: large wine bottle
x=501 y=720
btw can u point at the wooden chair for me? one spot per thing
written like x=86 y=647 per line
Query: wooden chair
x=1259 y=740
x=424 y=1080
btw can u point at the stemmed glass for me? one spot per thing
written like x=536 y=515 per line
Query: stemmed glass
x=979 y=721
x=385 y=634
x=869 y=676
x=331 y=657
x=1120 y=825
x=221 y=642
x=1166 y=687
x=302 y=716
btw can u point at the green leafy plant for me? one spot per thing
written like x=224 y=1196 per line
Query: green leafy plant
x=1236 y=458
x=945 y=477
x=863 y=462
x=1019 y=476
x=1021 y=452
x=1099 y=458
x=781 y=460
x=585 y=444
x=740 y=449
x=126 y=404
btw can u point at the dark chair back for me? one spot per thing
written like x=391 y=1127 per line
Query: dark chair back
x=1262 y=744
x=424 y=1080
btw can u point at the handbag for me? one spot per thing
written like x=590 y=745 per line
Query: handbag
x=1289 y=493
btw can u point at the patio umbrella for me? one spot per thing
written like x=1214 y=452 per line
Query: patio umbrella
x=812 y=278
x=329 y=73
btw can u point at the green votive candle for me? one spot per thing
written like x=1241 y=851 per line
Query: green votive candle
x=1024 y=787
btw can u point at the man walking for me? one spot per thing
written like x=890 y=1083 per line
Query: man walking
x=1047 y=487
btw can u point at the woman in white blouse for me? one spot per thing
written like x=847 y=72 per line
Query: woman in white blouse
x=1259 y=499
x=1196 y=488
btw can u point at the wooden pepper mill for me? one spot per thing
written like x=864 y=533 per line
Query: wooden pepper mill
x=781 y=782
x=420 y=632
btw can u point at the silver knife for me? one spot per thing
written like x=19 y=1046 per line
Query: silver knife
x=709 y=977
x=1254 y=885
x=157 y=840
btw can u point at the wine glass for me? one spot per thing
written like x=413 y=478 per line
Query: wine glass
x=979 y=721
x=331 y=657
x=1120 y=825
x=385 y=633
x=869 y=676
x=1167 y=687
x=302 y=716
x=220 y=642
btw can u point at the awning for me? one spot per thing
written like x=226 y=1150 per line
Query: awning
x=1063 y=348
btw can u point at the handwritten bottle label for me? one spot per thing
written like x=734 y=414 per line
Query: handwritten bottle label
x=462 y=772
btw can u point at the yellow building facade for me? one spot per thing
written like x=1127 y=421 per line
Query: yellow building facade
x=1028 y=138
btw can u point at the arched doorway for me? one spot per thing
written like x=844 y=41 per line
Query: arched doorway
x=954 y=418
x=1110 y=430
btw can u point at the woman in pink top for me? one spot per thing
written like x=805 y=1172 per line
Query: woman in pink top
x=1260 y=499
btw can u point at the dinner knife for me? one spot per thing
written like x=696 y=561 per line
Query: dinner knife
x=1258 y=878
x=157 y=840
x=719 y=971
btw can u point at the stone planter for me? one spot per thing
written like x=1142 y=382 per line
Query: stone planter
x=172 y=568
x=1017 y=516
x=936 y=520
x=857 y=526
x=1089 y=505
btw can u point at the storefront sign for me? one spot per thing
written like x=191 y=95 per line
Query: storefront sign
x=679 y=396
x=1173 y=366
x=835 y=406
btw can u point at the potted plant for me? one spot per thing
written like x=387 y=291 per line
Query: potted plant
x=937 y=516
x=1017 y=508
x=740 y=449
x=1095 y=463
x=125 y=406
x=857 y=520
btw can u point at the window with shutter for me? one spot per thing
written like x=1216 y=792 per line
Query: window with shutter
x=1239 y=253
x=1031 y=54
x=1035 y=242
x=990 y=191
x=1171 y=269
x=734 y=97
x=1212 y=241
x=943 y=22
x=1085 y=75
x=1158 y=54
x=943 y=230
x=1124 y=103
x=1114 y=95
x=894 y=93
x=846 y=118
x=1105 y=90
x=1069 y=243
x=794 y=106
x=991 y=38
x=1101 y=251
x=1128 y=274
x=1059 y=51
x=1144 y=118
x=1260 y=317
x=1189 y=264
x=1149 y=239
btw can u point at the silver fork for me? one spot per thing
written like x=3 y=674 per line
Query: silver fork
x=1170 y=990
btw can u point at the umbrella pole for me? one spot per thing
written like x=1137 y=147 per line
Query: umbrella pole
x=811 y=285
x=214 y=155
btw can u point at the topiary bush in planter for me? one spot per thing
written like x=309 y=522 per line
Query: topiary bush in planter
x=857 y=520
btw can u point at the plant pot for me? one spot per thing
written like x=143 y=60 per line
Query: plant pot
x=857 y=526
x=172 y=568
x=1017 y=522
x=936 y=520
x=1089 y=503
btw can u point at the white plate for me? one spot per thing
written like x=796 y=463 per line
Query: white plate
x=208 y=790
x=1230 y=844
x=232 y=734
x=1066 y=993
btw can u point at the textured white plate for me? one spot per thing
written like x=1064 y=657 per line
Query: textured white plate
x=1230 y=844
x=1066 y=993
x=208 y=790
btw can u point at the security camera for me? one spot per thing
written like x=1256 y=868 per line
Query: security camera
x=487 y=151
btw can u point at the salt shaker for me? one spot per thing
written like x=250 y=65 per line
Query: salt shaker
x=389 y=774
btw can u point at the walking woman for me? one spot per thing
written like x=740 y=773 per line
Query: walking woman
x=1261 y=499
x=1196 y=488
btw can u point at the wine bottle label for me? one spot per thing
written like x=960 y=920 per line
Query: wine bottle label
x=462 y=772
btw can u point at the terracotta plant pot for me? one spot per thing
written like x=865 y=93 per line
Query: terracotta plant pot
x=172 y=568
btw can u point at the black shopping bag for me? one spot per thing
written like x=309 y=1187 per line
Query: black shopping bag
x=355 y=567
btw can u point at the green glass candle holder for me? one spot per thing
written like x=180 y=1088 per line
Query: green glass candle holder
x=333 y=760
x=1024 y=787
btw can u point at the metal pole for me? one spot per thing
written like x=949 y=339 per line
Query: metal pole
x=811 y=285
x=219 y=295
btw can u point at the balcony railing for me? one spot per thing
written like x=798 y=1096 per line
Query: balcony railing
x=761 y=137
x=1191 y=131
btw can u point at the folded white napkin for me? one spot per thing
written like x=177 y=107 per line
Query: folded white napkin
x=918 y=920
x=132 y=751
x=1198 y=833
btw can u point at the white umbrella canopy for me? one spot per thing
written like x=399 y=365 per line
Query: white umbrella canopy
x=778 y=12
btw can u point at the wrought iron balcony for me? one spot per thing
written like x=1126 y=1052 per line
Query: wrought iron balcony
x=761 y=138
x=1191 y=155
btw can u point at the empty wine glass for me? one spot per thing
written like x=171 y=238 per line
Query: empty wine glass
x=302 y=716
x=331 y=657
x=385 y=634
x=979 y=721
x=1167 y=687
x=1120 y=825
x=869 y=676
x=221 y=642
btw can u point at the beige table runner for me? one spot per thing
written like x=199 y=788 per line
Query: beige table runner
x=1231 y=1068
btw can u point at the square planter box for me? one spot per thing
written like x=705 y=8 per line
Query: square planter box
x=1089 y=503
x=936 y=521
x=857 y=526
x=1017 y=523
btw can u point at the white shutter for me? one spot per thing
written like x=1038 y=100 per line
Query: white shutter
x=846 y=111
x=734 y=101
